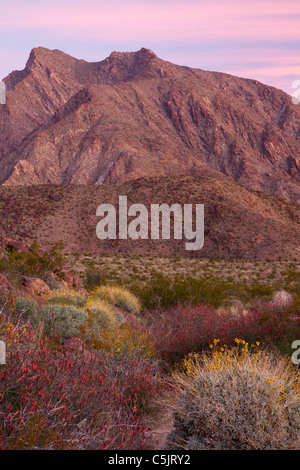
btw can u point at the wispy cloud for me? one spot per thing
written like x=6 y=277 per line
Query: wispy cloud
x=186 y=32
x=124 y=20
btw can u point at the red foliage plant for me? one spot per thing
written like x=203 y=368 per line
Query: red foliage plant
x=180 y=330
x=55 y=398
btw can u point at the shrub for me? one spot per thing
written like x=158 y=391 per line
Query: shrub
x=118 y=296
x=34 y=262
x=62 y=320
x=93 y=278
x=164 y=292
x=66 y=297
x=51 y=398
x=144 y=384
x=161 y=291
x=26 y=307
x=273 y=326
x=101 y=315
x=128 y=341
x=237 y=400
x=178 y=331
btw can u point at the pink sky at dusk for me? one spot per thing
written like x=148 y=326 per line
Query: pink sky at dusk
x=257 y=39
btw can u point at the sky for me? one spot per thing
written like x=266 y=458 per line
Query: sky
x=257 y=39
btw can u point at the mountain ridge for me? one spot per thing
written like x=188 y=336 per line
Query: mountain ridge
x=133 y=115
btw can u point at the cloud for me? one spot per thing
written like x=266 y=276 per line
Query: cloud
x=127 y=20
x=240 y=37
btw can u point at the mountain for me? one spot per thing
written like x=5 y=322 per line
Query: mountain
x=239 y=223
x=133 y=115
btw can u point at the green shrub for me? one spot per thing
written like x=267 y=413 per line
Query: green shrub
x=93 y=278
x=62 y=320
x=16 y=264
x=165 y=291
x=259 y=290
x=26 y=307
x=236 y=400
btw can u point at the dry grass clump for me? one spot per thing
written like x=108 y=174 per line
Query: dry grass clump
x=66 y=297
x=119 y=296
x=236 y=399
x=101 y=314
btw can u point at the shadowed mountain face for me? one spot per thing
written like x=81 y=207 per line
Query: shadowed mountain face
x=134 y=115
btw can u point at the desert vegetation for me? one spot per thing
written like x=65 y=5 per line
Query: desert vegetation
x=237 y=398
x=100 y=366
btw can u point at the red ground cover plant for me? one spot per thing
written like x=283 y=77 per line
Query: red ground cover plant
x=62 y=398
x=180 y=330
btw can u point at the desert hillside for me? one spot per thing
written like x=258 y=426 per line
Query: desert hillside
x=238 y=223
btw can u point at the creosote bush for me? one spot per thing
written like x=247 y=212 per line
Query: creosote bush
x=162 y=291
x=238 y=399
x=93 y=278
x=35 y=262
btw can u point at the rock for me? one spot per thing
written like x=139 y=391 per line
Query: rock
x=9 y=243
x=55 y=197
x=55 y=283
x=36 y=286
x=5 y=287
x=282 y=299
x=70 y=277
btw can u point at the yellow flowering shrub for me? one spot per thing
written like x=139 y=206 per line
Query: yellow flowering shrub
x=127 y=341
x=236 y=398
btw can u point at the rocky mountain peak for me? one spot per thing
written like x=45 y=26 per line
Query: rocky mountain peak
x=134 y=115
x=38 y=54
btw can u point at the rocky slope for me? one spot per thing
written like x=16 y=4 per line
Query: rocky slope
x=239 y=223
x=134 y=115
